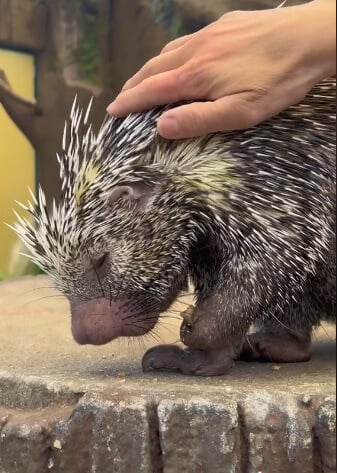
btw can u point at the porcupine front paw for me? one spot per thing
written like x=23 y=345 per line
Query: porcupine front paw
x=276 y=348
x=186 y=361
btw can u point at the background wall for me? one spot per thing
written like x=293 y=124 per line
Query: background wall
x=17 y=156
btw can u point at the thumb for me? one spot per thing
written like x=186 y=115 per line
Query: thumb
x=235 y=112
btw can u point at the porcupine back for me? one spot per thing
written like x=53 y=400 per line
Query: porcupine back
x=265 y=191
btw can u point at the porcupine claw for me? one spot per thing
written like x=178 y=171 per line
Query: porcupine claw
x=187 y=315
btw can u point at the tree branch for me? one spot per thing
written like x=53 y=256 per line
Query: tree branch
x=22 y=111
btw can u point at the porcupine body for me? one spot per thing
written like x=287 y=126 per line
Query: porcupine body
x=249 y=216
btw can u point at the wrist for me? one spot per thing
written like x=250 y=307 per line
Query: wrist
x=318 y=37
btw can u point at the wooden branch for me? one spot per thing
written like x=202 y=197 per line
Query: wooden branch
x=24 y=113
x=7 y=91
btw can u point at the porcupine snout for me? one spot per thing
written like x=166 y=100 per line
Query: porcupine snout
x=99 y=321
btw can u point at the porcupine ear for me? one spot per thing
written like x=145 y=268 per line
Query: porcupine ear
x=136 y=193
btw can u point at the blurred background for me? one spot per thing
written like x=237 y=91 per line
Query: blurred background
x=51 y=50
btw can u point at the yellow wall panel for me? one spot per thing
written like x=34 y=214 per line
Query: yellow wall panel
x=17 y=159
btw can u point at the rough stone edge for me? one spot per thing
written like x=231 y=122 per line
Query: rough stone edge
x=65 y=425
x=31 y=392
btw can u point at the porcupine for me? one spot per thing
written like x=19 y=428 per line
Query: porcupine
x=248 y=217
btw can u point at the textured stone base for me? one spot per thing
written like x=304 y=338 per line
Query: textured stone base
x=71 y=409
x=127 y=434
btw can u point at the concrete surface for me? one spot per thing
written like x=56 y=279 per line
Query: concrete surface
x=69 y=408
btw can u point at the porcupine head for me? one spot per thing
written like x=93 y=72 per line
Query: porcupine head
x=119 y=241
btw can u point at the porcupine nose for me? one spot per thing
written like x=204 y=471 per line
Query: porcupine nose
x=99 y=321
x=95 y=322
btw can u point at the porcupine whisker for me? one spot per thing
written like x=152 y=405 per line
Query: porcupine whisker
x=173 y=335
x=110 y=294
x=186 y=304
x=161 y=323
x=154 y=336
x=171 y=317
x=120 y=285
x=314 y=336
x=175 y=313
x=137 y=325
x=325 y=331
x=139 y=304
x=149 y=309
x=170 y=314
x=249 y=343
x=284 y=325
x=168 y=328
x=135 y=309
x=135 y=343
x=140 y=341
x=26 y=293
x=130 y=342
x=24 y=304
x=134 y=315
x=152 y=333
x=97 y=314
x=167 y=325
x=184 y=294
x=36 y=289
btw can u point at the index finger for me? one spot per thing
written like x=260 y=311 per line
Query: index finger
x=176 y=43
x=162 y=63
x=161 y=89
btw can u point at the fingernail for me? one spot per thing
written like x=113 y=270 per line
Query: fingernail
x=168 y=126
x=126 y=86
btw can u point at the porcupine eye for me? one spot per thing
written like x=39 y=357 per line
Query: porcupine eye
x=95 y=262
x=99 y=261
x=136 y=193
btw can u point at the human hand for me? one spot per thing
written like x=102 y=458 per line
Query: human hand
x=240 y=70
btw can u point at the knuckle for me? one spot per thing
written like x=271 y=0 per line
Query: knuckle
x=171 y=45
x=200 y=39
x=193 y=79
x=156 y=89
x=149 y=67
x=176 y=43
x=232 y=15
x=167 y=48
x=250 y=114
x=147 y=86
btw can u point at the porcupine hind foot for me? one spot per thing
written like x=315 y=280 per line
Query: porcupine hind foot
x=280 y=346
x=287 y=338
